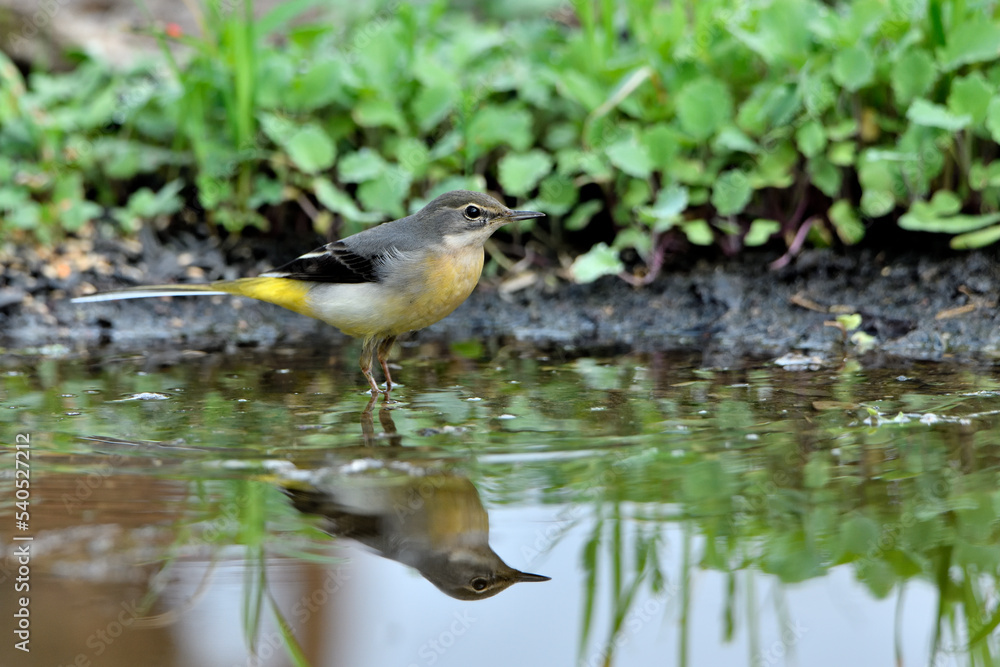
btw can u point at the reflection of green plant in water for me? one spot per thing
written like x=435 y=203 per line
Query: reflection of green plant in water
x=248 y=513
x=625 y=579
x=757 y=473
x=896 y=503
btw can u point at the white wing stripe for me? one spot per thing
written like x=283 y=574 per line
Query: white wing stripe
x=141 y=294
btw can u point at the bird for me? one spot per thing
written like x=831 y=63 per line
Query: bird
x=430 y=520
x=396 y=277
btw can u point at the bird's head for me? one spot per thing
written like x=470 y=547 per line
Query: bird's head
x=463 y=218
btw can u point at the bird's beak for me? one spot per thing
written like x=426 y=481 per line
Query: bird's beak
x=525 y=576
x=523 y=215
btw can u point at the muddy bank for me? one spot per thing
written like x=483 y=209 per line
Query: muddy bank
x=917 y=306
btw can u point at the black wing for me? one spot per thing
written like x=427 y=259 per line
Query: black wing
x=333 y=263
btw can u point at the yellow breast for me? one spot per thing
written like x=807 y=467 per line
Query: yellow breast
x=433 y=288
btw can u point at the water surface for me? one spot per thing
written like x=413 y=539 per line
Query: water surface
x=210 y=509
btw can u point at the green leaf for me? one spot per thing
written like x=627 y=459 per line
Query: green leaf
x=776 y=167
x=977 y=239
x=853 y=67
x=760 y=232
x=731 y=192
x=954 y=224
x=842 y=153
x=938 y=216
x=929 y=114
x=635 y=238
x=662 y=142
x=845 y=221
x=145 y=203
x=863 y=19
x=811 y=138
x=778 y=36
x=704 y=106
x=68 y=201
x=913 y=75
x=213 y=191
x=433 y=104
x=858 y=535
x=825 y=175
x=817 y=91
x=28 y=216
x=519 y=173
x=13 y=197
x=619 y=96
x=631 y=157
x=878 y=181
x=730 y=138
x=698 y=233
x=769 y=106
x=412 y=154
x=340 y=202
x=557 y=194
x=597 y=262
x=360 y=166
x=877 y=576
x=637 y=192
x=562 y=135
x=387 y=191
x=993 y=118
x=970 y=95
x=974 y=41
x=978 y=179
x=470 y=182
x=282 y=14
x=73 y=218
x=850 y=321
x=945 y=202
x=842 y=129
x=277 y=128
x=578 y=86
x=266 y=190
x=496 y=125
x=311 y=149
x=582 y=215
x=982 y=176
x=670 y=203
x=321 y=85
x=379 y=111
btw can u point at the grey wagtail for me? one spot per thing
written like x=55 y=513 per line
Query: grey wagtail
x=433 y=521
x=396 y=277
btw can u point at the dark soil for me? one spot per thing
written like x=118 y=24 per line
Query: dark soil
x=917 y=305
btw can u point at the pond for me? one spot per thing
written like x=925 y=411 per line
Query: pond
x=510 y=506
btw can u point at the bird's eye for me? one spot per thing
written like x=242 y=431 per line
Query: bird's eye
x=473 y=212
x=479 y=583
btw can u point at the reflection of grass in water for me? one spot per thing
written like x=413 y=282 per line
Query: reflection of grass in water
x=896 y=503
x=770 y=474
x=260 y=508
x=254 y=515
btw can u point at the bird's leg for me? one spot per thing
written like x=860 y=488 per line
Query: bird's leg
x=389 y=427
x=367 y=352
x=367 y=425
x=384 y=347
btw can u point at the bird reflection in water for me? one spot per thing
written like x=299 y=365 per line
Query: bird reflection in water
x=424 y=517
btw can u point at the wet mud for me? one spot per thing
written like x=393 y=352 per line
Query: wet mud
x=937 y=305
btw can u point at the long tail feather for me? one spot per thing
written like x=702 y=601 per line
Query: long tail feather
x=147 y=291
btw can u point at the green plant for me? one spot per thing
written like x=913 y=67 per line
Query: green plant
x=645 y=125
x=850 y=113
